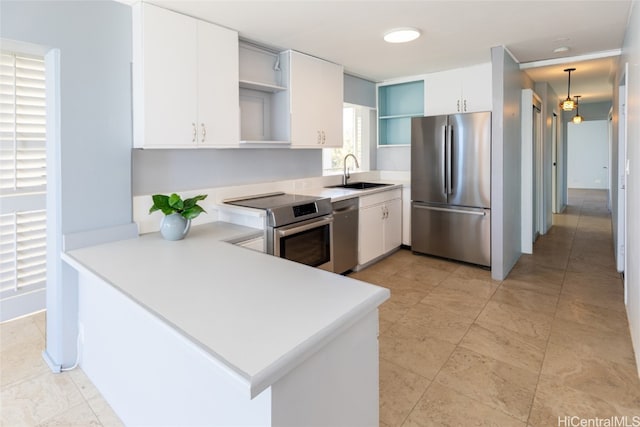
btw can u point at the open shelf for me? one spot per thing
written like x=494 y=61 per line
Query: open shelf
x=397 y=104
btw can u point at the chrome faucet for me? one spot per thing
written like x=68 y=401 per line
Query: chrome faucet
x=345 y=174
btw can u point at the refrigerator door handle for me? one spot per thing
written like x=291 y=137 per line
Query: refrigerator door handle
x=444 y=158
x=461 y=211
x=448 y=150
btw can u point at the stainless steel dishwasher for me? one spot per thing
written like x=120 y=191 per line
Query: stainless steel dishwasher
x=345 y=235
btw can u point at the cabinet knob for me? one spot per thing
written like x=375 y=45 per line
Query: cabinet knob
x=204 y=131
x=195 y=132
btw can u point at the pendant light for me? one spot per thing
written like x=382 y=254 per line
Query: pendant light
x=568 y=104
x=577 y=119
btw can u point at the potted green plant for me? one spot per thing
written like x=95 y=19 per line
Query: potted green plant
x=178 y=214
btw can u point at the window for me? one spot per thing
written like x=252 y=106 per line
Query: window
x=22 y=174
x=356 y=140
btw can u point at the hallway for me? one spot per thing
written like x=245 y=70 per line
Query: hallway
x=550 y=341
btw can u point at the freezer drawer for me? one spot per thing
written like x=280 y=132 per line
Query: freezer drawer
x=459 y=233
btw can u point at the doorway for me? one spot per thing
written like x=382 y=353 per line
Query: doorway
x=532 y=179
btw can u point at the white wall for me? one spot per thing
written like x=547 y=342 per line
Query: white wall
x=93 y=40
x=588 y=154
x=631 y=55
x=508 y=82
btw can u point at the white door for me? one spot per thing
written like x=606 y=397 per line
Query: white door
x=622 y=177
x=588 y=158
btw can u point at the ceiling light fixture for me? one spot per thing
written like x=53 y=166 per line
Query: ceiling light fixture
x=577 y=119
x=401 y=35
x=561 y=49
x=568 y=104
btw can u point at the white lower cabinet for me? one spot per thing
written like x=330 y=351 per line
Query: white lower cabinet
x=380 y=225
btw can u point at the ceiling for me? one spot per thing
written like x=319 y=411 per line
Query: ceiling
x=455 y=33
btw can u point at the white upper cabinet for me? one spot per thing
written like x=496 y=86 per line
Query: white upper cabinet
x=461 y=90
x=185 y=81
x=316 y=93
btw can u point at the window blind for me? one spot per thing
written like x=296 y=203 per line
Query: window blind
x=22 y=123
x=22 y=173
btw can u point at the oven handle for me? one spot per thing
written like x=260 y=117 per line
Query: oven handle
x=315 y=223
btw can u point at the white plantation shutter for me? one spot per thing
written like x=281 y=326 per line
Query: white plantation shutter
x=22 y=124
x=22 y=174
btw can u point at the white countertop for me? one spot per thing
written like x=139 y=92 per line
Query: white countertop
x=257 y=314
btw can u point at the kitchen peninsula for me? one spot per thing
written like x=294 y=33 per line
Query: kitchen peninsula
x=203 y=332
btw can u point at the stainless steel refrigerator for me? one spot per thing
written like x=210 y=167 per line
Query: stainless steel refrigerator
x=451 y=186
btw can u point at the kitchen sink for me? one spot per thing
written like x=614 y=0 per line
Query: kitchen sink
x=360 y=185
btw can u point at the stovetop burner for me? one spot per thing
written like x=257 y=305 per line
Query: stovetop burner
x=272 y=200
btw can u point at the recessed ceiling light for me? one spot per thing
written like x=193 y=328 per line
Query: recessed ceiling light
x=401 y=35
x=561 y=49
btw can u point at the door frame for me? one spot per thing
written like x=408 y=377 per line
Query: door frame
x=530 y=214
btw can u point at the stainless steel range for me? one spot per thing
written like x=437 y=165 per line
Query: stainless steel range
x=299 y=228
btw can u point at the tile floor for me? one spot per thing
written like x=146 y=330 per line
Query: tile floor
x=552 y=340
x=456 y=348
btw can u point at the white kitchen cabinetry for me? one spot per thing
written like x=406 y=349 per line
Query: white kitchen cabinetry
x=380 y=225
x=185 y=81
x=461 y=90
x=316 y=94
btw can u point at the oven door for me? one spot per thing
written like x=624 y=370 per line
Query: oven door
x=308 y=242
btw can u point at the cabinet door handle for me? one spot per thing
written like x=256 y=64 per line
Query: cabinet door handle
x=195 y=132
x=204 y=131
x=465 y=105
x=319 y=138
x=324 y=138
x=458 y=105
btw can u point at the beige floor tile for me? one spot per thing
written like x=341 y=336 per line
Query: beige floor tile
x=575 y=310
x=613 y=382
x=392 y=311
x=553 y=401
x=22 y=361
x=494 y=383
x=402 y=390
x=423 y=321
x=525 y=299
x=79 y=416
x=435 y=263
x=525 y=322
x=370 y=276
x=506 y=346
x=530 y=272
x=597 y=289
x=408 y=296
x=104 y=412
x=424 y=274
x=423 y=356
x=19 y=331
x=479 y=288
x=459 y=302
x=442 y=406
x=395 y=281
x=394 y=263
x=84 y=384
x=593 y=342
x=582 y=265
x=38 y=399
x=472 y=272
